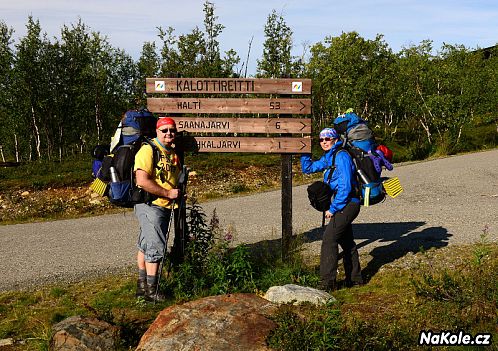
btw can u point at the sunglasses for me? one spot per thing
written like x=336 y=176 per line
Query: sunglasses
x=325 y=139
x=171 y=130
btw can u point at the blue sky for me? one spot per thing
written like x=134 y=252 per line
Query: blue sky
x=128 y=24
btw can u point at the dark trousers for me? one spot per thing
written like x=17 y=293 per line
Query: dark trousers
x=339 y=231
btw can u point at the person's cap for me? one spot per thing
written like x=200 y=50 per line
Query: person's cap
x=329 y=133
x=164 y=121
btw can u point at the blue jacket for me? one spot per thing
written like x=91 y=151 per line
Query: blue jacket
x=343 y=179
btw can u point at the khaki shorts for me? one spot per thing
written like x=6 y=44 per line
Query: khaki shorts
x=153 y=237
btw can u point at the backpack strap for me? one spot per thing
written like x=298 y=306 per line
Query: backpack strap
x=332 y=168
x=355 y=188
x=156 y=153
x=156 y=156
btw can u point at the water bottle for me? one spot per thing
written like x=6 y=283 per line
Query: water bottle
x=114 y=175
x=363 y=176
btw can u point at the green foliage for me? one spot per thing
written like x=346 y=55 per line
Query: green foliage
x=470 y=292
x=62 y=96
x=314 y=328
x=74 y=171
x=211 y=266
x=364 y=334
x=482 y=249
x=196 y=54
x=275 y=271
x=277 y=60
x=349 y=71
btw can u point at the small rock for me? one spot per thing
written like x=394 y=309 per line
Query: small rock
x=6 y=342
x=25 y=193
x=297 y=294
x=79 y=333
x=94 y=195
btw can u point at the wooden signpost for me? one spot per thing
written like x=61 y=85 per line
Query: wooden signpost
x=228 y=86
x=247 y=144
x=217 y=105
x=277 y=99
x=243 y=125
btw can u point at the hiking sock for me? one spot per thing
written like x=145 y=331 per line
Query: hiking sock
x=142 y=274
x=151 y=280
x=152 y=288
x=141 y=283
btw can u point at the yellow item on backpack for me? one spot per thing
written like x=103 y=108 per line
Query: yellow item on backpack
x=393 y=187
x=99 y=187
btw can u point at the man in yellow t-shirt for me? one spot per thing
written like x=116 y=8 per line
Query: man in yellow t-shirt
x=160 y=180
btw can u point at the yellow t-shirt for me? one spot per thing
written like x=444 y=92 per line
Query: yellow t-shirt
x=165 y=174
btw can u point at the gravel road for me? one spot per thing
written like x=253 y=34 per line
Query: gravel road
x=445 y=202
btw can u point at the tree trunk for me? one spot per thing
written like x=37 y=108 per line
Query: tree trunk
x=459 y=134
x=61 y=130
x=37 y=133
x=98 y=121
x=16 y=147
x=426 y=128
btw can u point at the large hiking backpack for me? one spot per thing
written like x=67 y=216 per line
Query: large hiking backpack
x=123 y=190
x=135 y=129
x=368 y=157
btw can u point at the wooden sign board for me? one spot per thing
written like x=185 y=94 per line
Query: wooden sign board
x=249 y=144
x=243 y=125
x=216 y=105
x=228 y=86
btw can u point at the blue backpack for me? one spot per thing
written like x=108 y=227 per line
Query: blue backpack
x=137 y=124
x=135 y=129
x=359 y=142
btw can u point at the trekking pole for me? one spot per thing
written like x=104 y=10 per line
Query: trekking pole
x=323 y=219
x=179 y=221
x=160 y=273
x=183 y=180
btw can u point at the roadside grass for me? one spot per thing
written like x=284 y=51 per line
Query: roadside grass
x=452 y=288
x=72 y=171
x=76 y=170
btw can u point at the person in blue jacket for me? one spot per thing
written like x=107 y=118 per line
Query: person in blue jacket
x=344 y=208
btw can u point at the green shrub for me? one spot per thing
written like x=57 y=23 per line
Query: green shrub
x=470 y=293
x=307 y=328
x=211 y=266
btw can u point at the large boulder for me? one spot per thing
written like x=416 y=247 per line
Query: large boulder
x=226 y=322
x=296 y=294
x=84 y=333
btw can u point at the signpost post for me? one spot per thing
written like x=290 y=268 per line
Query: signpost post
x=284 y=102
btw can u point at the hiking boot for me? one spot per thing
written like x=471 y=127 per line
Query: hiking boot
x=151 y=296
x=352 y=284
x=141 y=288
x=328 y=287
